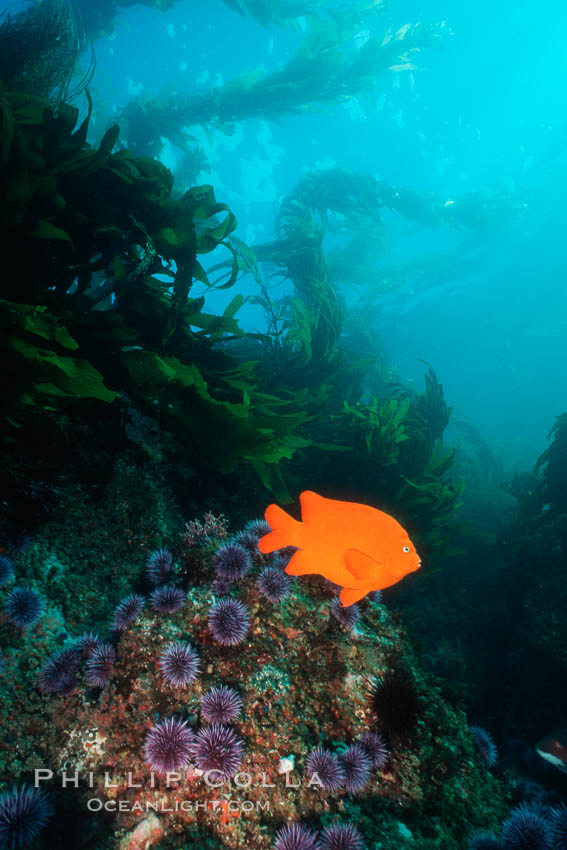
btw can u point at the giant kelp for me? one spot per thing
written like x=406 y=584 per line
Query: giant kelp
x=101 y=304
x=553 y=464
x=39 y=48
x=103 y=310
x=529 y=582
x=293 y=13
x=386 y=444
x=325 y=69
x=540 y=493
x=100 y=18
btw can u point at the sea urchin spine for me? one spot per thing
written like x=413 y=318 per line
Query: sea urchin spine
x=99 y=665
x=357 y=766
x=324 y=769
x=127 y=611
x=23 y=812
x=23 y=606
x=168 y=746
x=228 y=621
x=341 y=836
x=167 y=599
x=295 y=837
x=232 y=561
x=217 y=748
x=58 y=674
x=220 y=705
x=179 y=664
x=158 y=566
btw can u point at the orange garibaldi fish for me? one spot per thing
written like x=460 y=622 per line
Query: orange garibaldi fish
x=355 y=546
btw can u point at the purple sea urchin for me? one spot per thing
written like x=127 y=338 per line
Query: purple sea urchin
x=87 y=643
x=484 y=743
x=221 y=587
x=249 y=542
x=167 y=599
x=231 y=561
x=558 y=827
x=332 y=587
x=220 y=705
x=23 y=812
x=99 y=665
x=257 y=528
x=18 y=542
x=323 y=765
x=127 y=611
x=158 y=566
x=6 y=569
x=375 y=746
x=295 y=837
x=395 y=702
x=525 y=829
x=228 y=621
x=357 y=766
x=23 y=606
x=274 y=584
x=341 y=836
x=284 y=555
x=484 y=841
x=217 y=748
x=249 y=537
x=59 y=673
x=179 y=664
x=168 y=745
x=347 y=617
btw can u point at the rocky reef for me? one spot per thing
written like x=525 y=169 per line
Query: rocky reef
x=323 y=714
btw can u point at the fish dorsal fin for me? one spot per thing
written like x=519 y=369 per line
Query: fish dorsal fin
x=359 y=565
x=350 y=595
x=311 y=505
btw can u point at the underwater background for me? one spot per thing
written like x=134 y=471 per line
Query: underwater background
x=254 y=248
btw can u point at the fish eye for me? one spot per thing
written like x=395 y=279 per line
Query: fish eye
x=406 y=549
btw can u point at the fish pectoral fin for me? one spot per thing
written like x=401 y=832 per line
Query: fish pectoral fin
x=350 y=595
x=283 y=533
x=299 y=565
x=359 y=565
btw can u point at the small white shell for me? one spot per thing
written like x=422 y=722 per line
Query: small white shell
x=286 y=764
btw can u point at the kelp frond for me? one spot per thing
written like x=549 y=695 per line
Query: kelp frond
x=325 y=69
x=39 y=50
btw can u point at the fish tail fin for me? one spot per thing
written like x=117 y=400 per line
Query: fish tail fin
x=350 y=595
x=284 y=530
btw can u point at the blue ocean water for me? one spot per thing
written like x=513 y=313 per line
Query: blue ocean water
x=481 y=114
x=466 y=277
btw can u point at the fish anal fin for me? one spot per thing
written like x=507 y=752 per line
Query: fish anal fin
x=359 y=565
x=299 y=565
x=350 y=595
x=284 y=530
